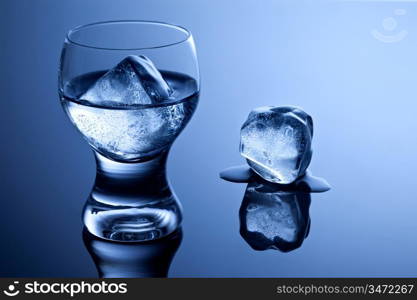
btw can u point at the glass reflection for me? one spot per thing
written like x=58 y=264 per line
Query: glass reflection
x=134 y=259
x=272 y=217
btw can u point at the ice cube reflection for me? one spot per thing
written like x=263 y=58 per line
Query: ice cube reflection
x=274 y=218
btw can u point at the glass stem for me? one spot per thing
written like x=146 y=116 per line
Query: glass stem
x=132 y=201
x=131 y=184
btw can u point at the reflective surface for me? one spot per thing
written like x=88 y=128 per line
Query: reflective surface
x=319 y=56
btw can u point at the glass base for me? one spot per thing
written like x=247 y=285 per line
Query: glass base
x=132 y=201
x=132 y=260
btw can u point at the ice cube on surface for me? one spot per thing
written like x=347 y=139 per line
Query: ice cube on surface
x=135 y=80
x=276 y=142
x=274 y=219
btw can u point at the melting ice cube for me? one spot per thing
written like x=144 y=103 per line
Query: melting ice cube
x=135 y=80
x=276 y=142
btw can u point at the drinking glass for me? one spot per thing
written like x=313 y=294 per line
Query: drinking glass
x=110 y=76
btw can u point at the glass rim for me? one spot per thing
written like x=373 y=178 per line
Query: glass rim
x=94 y=24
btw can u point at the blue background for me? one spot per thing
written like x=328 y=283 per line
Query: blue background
x=318 y=55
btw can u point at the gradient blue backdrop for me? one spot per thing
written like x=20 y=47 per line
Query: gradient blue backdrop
x=318 y=55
